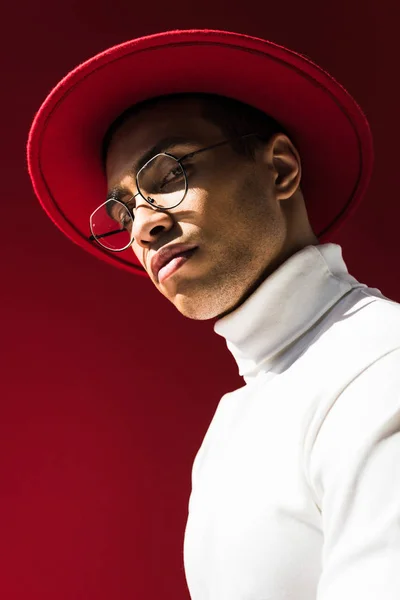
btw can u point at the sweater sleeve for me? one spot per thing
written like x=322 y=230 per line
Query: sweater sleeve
x=354 y=470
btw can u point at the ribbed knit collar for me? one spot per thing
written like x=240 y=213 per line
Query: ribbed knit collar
x=286 y=305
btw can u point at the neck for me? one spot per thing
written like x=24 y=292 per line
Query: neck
x=285 y=306
x=308 y=239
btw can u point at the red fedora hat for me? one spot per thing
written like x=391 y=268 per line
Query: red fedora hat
x=327 y=126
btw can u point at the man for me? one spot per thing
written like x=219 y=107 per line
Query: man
x=228 y=258
x=220 y=193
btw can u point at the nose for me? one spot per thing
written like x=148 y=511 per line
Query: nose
x=149 y=223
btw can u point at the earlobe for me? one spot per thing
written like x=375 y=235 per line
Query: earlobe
x=286 y=166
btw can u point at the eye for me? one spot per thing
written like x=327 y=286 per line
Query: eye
x=124 y=218
x=173 y=175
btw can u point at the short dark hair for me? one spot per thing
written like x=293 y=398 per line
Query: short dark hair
x=233 y=117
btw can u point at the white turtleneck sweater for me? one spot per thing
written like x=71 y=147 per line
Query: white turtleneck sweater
x=296 y=486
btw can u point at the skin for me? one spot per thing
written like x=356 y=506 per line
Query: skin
x=247 y=216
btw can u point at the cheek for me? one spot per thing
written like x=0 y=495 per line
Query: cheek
x=239 y=206
x=256 y=202
x=216 y=215
x=138 y=251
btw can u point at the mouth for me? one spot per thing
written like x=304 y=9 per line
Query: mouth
x=175 y=263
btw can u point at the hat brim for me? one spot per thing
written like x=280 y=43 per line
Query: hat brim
x=328 y=128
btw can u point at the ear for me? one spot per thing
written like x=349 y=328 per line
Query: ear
x=284 y=162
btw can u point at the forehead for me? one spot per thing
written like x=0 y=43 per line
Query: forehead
x=168 y=118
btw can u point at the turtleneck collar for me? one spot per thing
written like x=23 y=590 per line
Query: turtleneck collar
x=285 y=305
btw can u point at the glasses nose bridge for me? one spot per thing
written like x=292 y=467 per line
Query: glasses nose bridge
x=147 y=219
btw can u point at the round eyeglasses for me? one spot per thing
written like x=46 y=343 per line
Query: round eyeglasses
x=162 y=182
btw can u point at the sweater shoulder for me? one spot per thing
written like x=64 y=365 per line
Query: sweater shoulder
x=365 y=320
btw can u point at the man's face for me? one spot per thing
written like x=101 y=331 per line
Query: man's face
x=231 y=213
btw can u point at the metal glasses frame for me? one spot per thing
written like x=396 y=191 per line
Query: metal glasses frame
x=149 y=200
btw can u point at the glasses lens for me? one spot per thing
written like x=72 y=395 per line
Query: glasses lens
x=162 y=182
x=111 y=225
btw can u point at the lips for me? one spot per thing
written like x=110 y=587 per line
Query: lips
x=169 y=258
x=174 y=264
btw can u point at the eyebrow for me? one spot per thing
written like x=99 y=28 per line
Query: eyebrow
x=162 y=146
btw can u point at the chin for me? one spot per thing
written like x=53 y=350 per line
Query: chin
x=199 y=311
x=195 y=312
x=205 y=298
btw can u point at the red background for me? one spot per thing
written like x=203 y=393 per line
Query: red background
x=100 y=423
